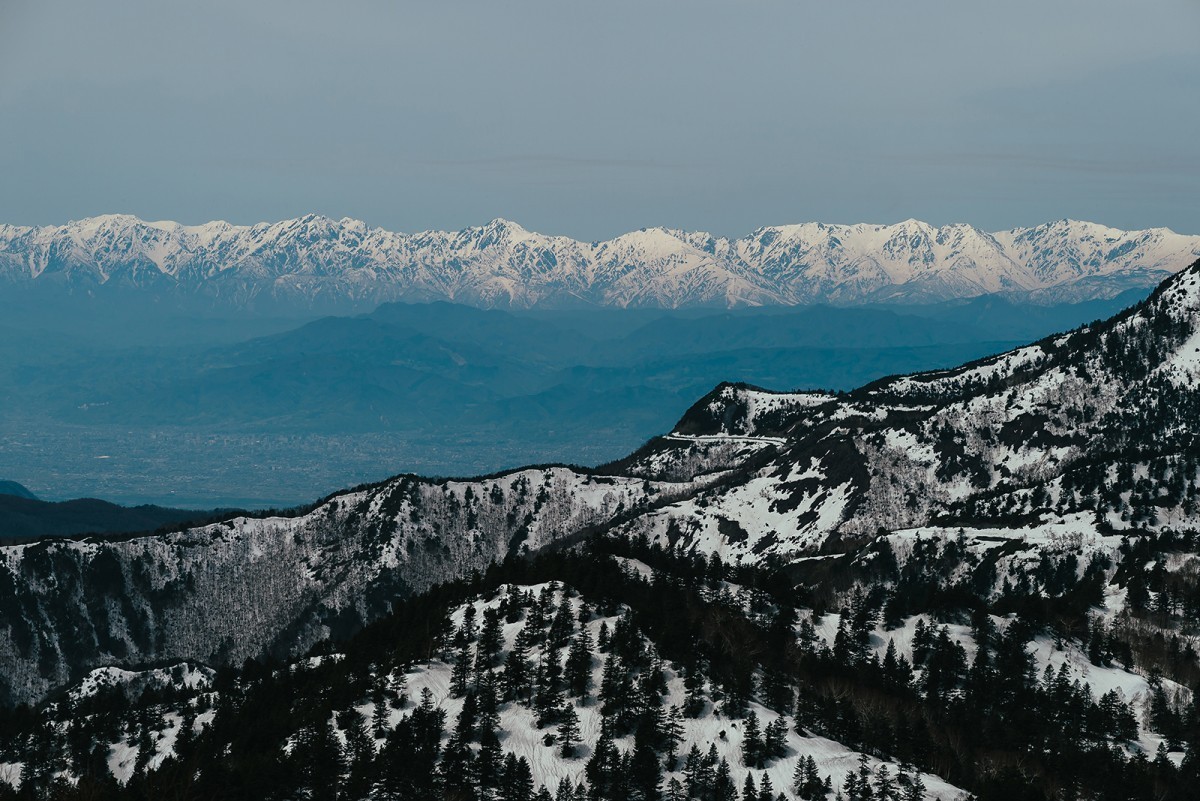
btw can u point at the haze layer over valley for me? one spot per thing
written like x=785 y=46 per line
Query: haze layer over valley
x=138 y=402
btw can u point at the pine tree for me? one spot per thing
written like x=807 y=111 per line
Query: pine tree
x=186 y=735
x=611 y=685
x=752 y=746
x=466 y=632
x=568 y=731
x=491 y=641
x=646 y=770
x=456 y=772
x=549 y=693
x=318 y=761
x=806 y=781
x=488 y=703
x=517 y=784
x=843 y=644
x=775 y=738
x=578 y=674
x=798 y=777
x=461 y=674
x=749 y=789
x=380 y=710
x=922 y=641
x=865 y=792
x=490 y=762
x=885 y=786
x=468 y=718
x=584 y=616
x=672 y=732
x=766 y=790
x=916 y=788
x=693 y=682
x=360 y=754
x=850 y=787
x=692 y=771
x=723 y=788
x=562 y=626
x=603 y=767
x=517 y=673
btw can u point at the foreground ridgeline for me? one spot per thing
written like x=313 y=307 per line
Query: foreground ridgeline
x=314 y=260
x=974 y=581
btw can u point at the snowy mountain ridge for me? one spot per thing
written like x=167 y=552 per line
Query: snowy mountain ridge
x=314 y=259
x=975 y=583
x=1072 y=427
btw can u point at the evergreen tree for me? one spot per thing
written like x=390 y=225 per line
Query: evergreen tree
x=517 y=673
x=549 y=700
x=775 y=738
x=749 y=789
x=359 y=754
x=456 y=773
x=646 y=769
x=317 y=761
x=916 y=788
x=517 y=781
x=461 y=674
x=672 y=734
x=491 y=641
x=723 y=788
x=692 y=772
x=766 y=790
x=752 y=744
x=693 y=682
x=885 y=786
x=568 y=731
x=468 y=718
x=578 y=673
x=489 y=764
x=562 y=626
x=603 y=768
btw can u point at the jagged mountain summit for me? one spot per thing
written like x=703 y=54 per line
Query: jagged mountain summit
x=317 y=261
x=1078 y=435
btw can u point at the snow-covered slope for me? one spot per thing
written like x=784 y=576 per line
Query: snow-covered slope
x=247 y=587
x=1100 y=424
x=1104 y=420
x=314 y=260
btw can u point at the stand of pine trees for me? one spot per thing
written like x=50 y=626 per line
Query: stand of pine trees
x=991 y=723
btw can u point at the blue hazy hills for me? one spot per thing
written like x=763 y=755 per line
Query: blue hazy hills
x=151 y=405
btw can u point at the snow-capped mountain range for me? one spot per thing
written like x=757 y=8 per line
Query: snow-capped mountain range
x=315 y=260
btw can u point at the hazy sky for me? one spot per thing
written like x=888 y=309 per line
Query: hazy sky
x=591 y=118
